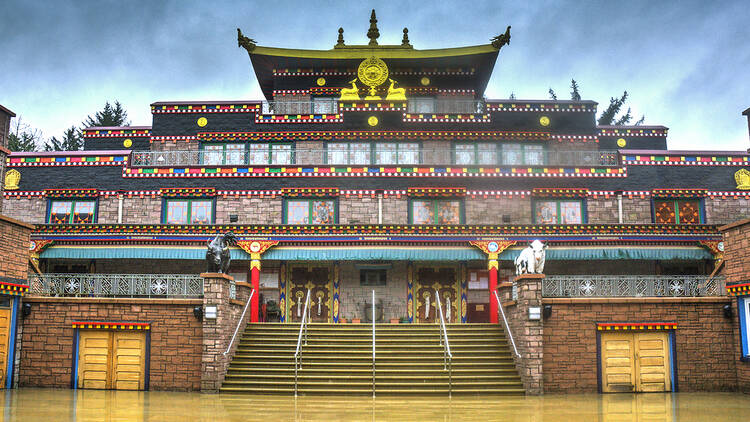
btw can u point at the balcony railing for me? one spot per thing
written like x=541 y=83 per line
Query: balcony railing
x=117 y=285
x=414 y=105
x=632 y=286
x=374 y=157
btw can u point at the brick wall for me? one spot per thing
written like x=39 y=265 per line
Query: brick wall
x=602 y=210
x=395 y=210
x=46 y=348
x=359 y=210
x=636 y=211
x=249 y=210
x=491 y=210
x=145 y=210
x=392 y=295
x=14 y=249
x=702 y=339
x=310 y=152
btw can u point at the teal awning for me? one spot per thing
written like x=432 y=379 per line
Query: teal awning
x=377 y=253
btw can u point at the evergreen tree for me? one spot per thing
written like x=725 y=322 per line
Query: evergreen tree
x=624 y=119
x=22 y=137
x=512 y=95
x=109 y=116
x=615 y=104
x=574 y=94
x=552 y=95
x=71 y=141
x=640 y=121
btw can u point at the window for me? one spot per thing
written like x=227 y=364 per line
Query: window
x=78 y=211
x=223 y=154
x=324 y=105
x=310 y=211
x=483 y=153
x=372 y=277
x=558 y=211
x=436 y=211
x=188 y=211
x=743 y=305
x=520 y=154
x=348 y=153
x=676 y=211
x=274 y=154
x=389 y=153
x=379 y=153
x=421 y=105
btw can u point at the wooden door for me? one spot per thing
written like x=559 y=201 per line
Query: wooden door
x=635 y=362
x=128 y=360
x=316 y=279
x=444 y=281
x=4 y=343
x=94 y=359
x=111 y=360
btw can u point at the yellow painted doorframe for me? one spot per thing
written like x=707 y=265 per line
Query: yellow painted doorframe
x=637 y=361
x=457 y=285
x=309 y=265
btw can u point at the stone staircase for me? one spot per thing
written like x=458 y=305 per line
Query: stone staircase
x=337 y=360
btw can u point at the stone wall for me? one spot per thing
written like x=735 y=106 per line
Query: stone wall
x=395 y=210
x=252 y=210
x=636 y=211
x=29 y=210
x=491 y=210
x=726 y=210
x=703 y=338
x=356 y=210
x=178 y=145
x=353 y=295
x=46 y=346
x=602 y=210
x=14 y=250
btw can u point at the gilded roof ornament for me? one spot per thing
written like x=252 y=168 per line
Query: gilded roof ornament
x=340 y=40
x=245 y=42
x=742 y=177
x=373 y=32
x=502 y=39
x=405 y=40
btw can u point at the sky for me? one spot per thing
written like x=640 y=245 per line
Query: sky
x=685 y=64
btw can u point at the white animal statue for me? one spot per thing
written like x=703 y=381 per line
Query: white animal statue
x=531 y=259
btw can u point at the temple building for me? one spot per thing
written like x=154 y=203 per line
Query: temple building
x=383 y=171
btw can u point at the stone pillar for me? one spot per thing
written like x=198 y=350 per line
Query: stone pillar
x=216 y=332
x=526 y=333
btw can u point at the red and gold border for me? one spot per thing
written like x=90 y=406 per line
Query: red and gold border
x=375 y=134
x=102 y=325
x=187 y=192
x=679 y=193
x=739 y=289
x=560 y=192
x=626 y=326
x=436 y=192
x=13 y=289
x=309 y=192
x=71 y=193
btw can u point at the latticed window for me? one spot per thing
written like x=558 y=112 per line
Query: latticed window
x=223 y=154
x=483 y=153
x=274 y=154
x=310 y=211
x=677 y=212
x=188 y=211
x=520 y=154
x=558 y=211
x=436 y=211
x=72 y=211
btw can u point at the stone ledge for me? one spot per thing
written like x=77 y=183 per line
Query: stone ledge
x=217 y=275
x=17 y=222
x=243 y=284
x=504 y=284
x=116 y=300
x=587 y=300
x=237 y=302
x=509 y=303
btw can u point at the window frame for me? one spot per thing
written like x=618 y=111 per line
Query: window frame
x=382 y=277
x=94 y=219
x=415 y=101
x=675 y=203
x=165 y=209
x=435 y=201
x=285 y=212
x=743 y=309
x=582 y=201
x=223 y=153
x=372 y=147
x=475 y=159
x=524 y=161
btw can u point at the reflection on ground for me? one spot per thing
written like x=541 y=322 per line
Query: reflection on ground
x=92 y=405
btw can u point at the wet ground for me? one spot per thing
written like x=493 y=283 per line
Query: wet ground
x=90 y=405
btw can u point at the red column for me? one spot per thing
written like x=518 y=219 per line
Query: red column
x=255 y=281
x=493 y=288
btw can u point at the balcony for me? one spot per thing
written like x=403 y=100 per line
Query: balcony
x=371 y=157
x=632 y=286
x=414 y=105
x=117 y=285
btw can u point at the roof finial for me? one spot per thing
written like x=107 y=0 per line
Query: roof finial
x=405 y=40
x=373 y=32
x=340 y=41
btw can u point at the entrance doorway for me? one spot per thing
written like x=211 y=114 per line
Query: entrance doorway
x=442 y=279
x=111 y=360
x=635 y=362
x=317 y=279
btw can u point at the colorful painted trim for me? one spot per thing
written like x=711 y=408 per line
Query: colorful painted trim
x=101 y=325
x=685 y=160
x=738 y=289
x=349 y=72
x=679 y=193
x=187 y=192
x=373 y=135
x=205 y=108
x=285 y=92
x=13 y=289
x=309 y=192
x=574 y=138
x=372 y=106
x=87 y=160
x=115 y=133
x=576 y=172
x=299 y=118
x=540 y=107
x=71 y=193
x=448 y=118
x=634 y=131
x=163 y=139
x=325 y=90
x=614 y=326
x=560 y=192
x=436 y=192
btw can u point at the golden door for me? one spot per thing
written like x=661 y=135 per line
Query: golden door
x=112 y=360
x=443 y=280
x=4 y=343
x=635 y=362
x=302 y=278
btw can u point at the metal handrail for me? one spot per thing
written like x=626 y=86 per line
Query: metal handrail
x=242 y=317
x=302 y=326
x=447 y=355
x=373 y=343
x=507 y=327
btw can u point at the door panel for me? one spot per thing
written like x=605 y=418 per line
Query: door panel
x=94 y=361
x=427 y=281
x=112 y=360
x=617 y=362
x=4 y=342
x=128 y=360
x=302 y=278
x=635 y=362
x=652 y=352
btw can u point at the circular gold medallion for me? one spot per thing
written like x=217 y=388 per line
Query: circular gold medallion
x=202 y=121
x=127 y=143
x=372 y=72
x=622 y=142
x=372 y=121
x=255 y=247
x=424 y=81
x=321 y=81
x=544 y=121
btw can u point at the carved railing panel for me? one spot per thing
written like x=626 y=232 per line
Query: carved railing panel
x=116 y=285
x=632 y=286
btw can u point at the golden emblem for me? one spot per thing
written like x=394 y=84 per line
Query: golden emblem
x=372 y=72
x=127 y=143
x=424 y=81
x=742 y=177
x=622 y=142
x=372 y=121
x=12 y=177
x=395 y=94
x=544 y=121
x=321 y=81
x=202 y=121
x=350 y=94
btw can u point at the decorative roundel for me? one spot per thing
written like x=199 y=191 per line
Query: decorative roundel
x=202 y=121
x=254 y=247
x=424 y=81
x=544 y=121
x=372 y=121
x=493 y=247
x=622 y=142
x=127 y=143
x=32 y=245
x=720 y=246
x=321 y=81
x=372 y=72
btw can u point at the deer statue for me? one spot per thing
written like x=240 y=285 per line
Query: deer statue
x=395 y=94
x=350 y=94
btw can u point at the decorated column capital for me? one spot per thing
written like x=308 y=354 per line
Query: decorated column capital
x=716 y=247
x=493 y=248
x=255 y=249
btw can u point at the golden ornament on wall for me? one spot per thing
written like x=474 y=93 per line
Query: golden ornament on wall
x=202 y=122
x=742 y=177
x=372 y=121
x=372 y=72
x=424 y=81
x=544 y=121
x=321 y=81
x=127 y=143
x=622 y=142
x=12 y=177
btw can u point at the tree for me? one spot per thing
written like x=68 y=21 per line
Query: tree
x=71 y=141
x=640 y=121
x=512 y=95
x=574 y=94
x=22 y=137
x=552 y=95
x=109 y=116
x=615 y=104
